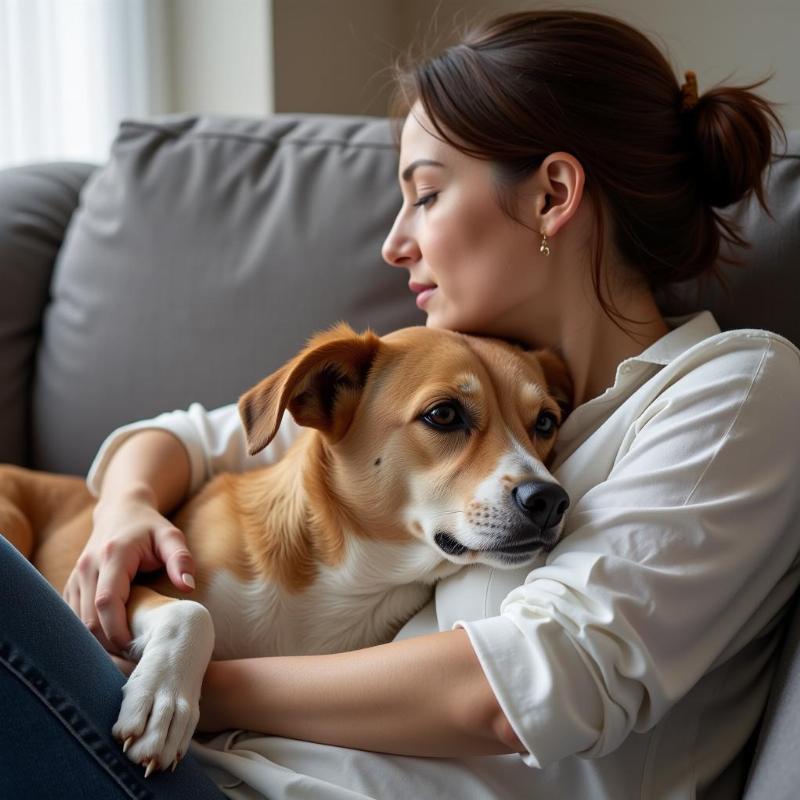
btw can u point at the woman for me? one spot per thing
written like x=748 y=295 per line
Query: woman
x=554 y=175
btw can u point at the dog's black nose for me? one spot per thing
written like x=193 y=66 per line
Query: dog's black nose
x=542 y=502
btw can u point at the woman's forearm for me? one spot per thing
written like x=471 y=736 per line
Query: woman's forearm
x=425 y=696
x=152 y=464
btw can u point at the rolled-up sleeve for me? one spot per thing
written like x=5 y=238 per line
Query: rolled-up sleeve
x=215 y=442
x=668 y=567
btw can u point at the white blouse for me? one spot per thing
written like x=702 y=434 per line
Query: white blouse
x=634 y=659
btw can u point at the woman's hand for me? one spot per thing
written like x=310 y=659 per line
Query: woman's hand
x=128 y=535
x=124 y=666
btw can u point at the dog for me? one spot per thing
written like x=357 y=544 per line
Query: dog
x=425 y=451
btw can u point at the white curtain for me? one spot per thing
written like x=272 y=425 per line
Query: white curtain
x=71 y=69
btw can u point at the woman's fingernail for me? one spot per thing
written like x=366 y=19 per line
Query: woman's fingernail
x=188 y=579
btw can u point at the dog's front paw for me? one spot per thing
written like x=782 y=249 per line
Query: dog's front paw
x=159 y=714
x=161 y=700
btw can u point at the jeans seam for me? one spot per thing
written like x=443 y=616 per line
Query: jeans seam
x=15 y=662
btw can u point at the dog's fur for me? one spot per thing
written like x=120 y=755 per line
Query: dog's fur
x=338 y=544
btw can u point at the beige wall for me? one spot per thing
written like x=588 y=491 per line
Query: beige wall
x=219 y=56
x=331 y=56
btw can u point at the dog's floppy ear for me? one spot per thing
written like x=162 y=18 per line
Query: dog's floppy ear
x=559 y=381
x=321 y=387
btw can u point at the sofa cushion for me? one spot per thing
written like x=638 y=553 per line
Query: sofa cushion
x=203 y=255
x=36 y=203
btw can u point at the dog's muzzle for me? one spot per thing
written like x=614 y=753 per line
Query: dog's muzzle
x=541 y=506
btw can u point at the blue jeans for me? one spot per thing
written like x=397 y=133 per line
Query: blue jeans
x=60 y=694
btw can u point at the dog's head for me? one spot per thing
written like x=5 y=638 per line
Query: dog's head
x=441 y=435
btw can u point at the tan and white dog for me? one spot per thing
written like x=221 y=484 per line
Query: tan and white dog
x=425 y=452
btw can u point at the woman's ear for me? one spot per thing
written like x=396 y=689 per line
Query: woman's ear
x=321 y=387
x=564 y=181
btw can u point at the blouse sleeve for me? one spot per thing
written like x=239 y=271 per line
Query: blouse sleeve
x=668 y=567
x=214 y=440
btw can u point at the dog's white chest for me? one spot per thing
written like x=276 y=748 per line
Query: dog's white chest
x=360 y=603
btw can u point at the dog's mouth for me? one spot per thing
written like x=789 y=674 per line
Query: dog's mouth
x=450 y=545
x=446 y=543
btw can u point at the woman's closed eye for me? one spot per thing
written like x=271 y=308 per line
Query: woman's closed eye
x=423 y=201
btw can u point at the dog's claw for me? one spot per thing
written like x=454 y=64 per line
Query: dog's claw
x=151 y=765
x=174 y=764
x=128 y=743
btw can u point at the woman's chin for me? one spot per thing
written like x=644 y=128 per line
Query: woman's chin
x=436 y=320
x=442 y=315
x=451 y=322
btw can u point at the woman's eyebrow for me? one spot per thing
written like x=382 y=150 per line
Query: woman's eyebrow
x=420 y=162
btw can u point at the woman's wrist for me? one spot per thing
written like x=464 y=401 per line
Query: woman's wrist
x=217 y=697
x=151 y=467
x=138 y=493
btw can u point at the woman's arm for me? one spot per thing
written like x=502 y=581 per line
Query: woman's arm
x=424 y=696
x=151 y=463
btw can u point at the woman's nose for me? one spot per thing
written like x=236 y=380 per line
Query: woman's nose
x=399 y=249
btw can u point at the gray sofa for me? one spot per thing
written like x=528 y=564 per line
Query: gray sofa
x=206 y=251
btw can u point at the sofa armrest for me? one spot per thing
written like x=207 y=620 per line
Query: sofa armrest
x=36 y=203
x=775 y=771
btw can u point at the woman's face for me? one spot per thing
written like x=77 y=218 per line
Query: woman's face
x=452 y=234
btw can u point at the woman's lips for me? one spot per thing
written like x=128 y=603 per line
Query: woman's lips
x=424 y=296
x=423 y=291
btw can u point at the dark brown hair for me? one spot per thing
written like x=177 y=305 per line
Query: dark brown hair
x=526 y=84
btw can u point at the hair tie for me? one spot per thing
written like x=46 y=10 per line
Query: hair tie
x=689 y=92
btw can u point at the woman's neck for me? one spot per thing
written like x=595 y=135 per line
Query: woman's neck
x=594 y=346
x=584 y=335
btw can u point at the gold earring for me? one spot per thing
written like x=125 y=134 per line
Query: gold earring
x=544 y=247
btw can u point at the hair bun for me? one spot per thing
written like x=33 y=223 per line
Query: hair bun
x=732 y=140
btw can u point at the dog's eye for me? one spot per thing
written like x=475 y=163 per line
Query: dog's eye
x=546 y=424
x=445 y=416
